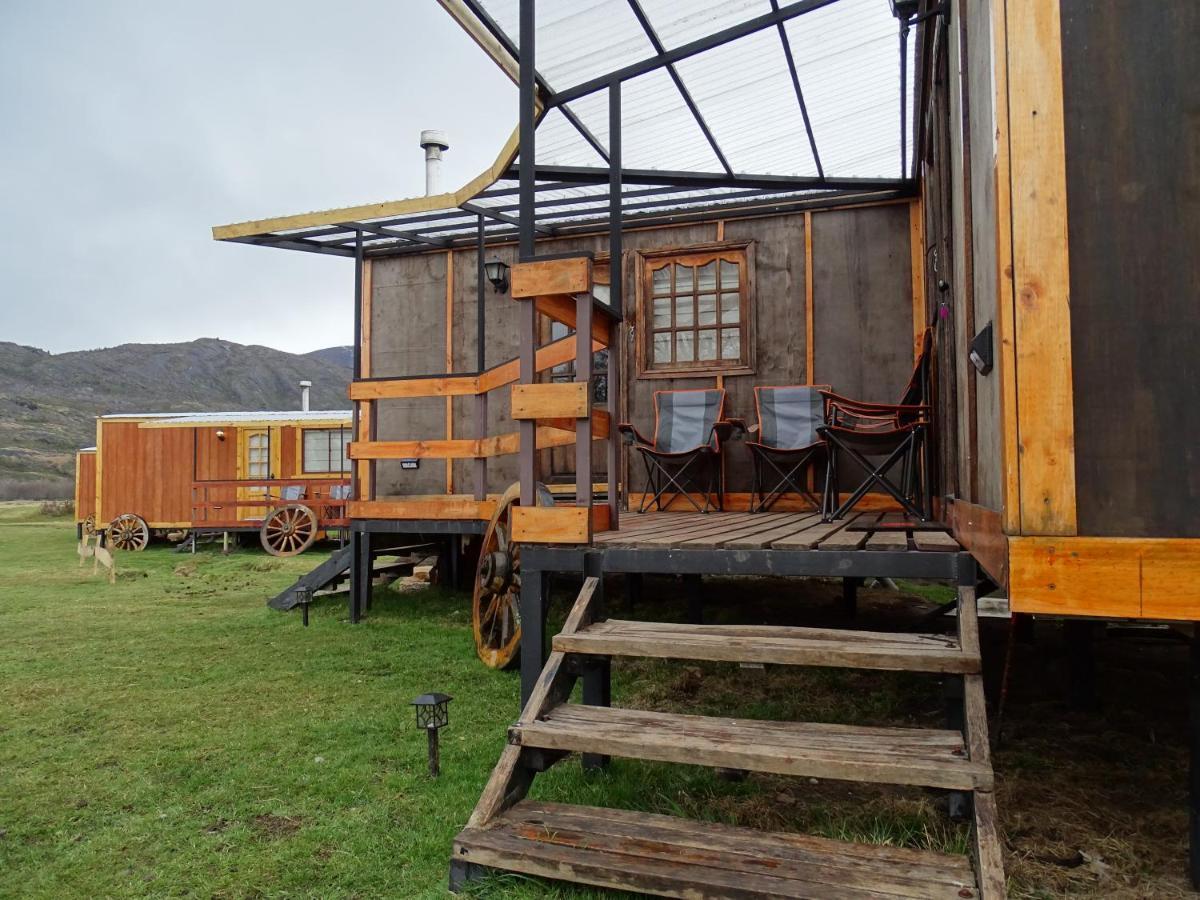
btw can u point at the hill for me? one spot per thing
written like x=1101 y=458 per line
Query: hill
x=48 y=402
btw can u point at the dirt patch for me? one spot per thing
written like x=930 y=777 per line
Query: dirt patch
x=274 y=827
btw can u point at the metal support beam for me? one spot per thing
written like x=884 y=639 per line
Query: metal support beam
x=414 y=236
x=356 y=373
x=481 y=399
x=506 y=42
x=497 y=216
x=652 y=35
x=791 y=62
x=527 y=317
x=699 y=180
x=659 y=60
x=616 y=284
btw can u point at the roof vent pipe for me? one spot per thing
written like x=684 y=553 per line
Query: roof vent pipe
x=433 y=142
x=304 y=386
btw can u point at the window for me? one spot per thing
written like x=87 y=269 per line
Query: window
x=695 y=311
x=325 y=450
x=258 y=456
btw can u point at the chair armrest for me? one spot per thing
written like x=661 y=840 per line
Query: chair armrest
x=723 y=430
x=630 y=435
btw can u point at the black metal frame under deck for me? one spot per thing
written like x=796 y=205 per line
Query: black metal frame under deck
x=539 y=561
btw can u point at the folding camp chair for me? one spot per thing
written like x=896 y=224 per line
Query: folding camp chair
x=788 y=446
x=290 y=493
x=895 y=433
x=686 y=450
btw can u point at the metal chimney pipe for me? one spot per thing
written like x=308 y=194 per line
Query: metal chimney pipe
x=304 y=386
x=433 y=142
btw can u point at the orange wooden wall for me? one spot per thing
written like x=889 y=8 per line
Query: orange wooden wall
x=85 y=485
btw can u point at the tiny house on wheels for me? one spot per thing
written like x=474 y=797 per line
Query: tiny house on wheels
x=280 y=474
x=931 y=262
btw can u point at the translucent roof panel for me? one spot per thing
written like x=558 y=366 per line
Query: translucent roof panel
x=847 y=61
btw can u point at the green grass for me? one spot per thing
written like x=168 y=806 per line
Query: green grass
x=171 y=736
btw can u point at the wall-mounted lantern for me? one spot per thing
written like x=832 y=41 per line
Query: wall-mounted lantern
x=433 y=713
x=497 y=273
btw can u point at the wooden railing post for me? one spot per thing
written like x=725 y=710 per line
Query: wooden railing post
x=583 y=427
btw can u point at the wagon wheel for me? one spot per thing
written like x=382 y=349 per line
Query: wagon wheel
x=89 y=525
x=496 y=601
x=128 y=532
x=288 y=530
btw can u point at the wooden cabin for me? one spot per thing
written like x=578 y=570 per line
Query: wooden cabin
x=179 y=472
x=85 y=491
x=1034 y=214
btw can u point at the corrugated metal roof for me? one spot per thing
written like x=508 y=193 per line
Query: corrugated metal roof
x=210 y=418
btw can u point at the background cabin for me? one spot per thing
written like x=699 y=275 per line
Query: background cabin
x=85 y=490
x=217 y=471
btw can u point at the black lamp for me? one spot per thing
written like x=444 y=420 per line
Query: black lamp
x=433 y=713
x=303 y=597
x=497 y=273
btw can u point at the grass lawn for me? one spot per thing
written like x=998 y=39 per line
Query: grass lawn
x=170 y=735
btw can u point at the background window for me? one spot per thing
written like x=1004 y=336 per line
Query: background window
x=695 y=311
x=325 y=450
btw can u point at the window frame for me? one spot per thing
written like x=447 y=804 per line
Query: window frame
x=739 y=252
x=339 y=430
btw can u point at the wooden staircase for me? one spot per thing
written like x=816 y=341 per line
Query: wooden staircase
x=675 y=857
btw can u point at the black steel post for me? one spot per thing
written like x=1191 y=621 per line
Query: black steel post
x=481 y=400
x=527 y=323
x=616 y=284
x=850 y=596
x=1079 y=635
x=1194 y=759
x=694 y=589
x=356 y=539
x=903 y=101
x=533 y=630
x=358 y=276
x=435 y=762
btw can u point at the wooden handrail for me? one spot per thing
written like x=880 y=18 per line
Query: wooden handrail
x=553 y=354
x=550 y=433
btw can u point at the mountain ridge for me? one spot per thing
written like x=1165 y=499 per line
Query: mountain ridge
x=49 y=401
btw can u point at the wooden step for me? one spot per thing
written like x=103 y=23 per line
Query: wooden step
x=773 y=644
x=926 y=757
x=673 y=857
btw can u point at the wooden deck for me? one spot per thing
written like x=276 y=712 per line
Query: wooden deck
x=776 y=531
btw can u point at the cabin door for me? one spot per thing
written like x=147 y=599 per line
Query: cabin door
x=254 y=464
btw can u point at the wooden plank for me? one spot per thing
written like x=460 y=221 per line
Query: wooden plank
x=561 y=308
x=508 y=782
x=845 y=539
x=784 y=748
x=1083 y=576
x=889 y=539
x=753 y=525
x=553 y=354
x=694 y=525
x=810 y=537
x=675 y=857
x=551 y=524
x=1006 y=364
x=988 y=850
x=809 y=333
x=798 y=648
x=436 y=507
x=794 y=525
x=568 y=275
x=916 y=242
x=463 y=448
x=1152 y=578
x=571 y=400
x=981 y=532
x=1041 y=271
x=435 y=386
x=935 y=541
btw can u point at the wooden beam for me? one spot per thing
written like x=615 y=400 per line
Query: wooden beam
x=1010 y=509
x=916 y=239
x=809 y=330
x=1149 y=578
x=553 y=354
x=1041 y=271
x=569 y=400
x=569 y=275
x=434 y=386
x=423 y=507
x=981 y=533
x=562 y=308
x=466 y=448
x=552 y=524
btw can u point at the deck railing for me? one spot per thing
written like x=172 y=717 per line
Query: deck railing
x=220 y=504
x=549 y=414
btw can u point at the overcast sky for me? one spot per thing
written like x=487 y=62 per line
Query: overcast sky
x=128 y=129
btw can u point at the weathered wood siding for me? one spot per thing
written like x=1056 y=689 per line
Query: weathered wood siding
x=85 y=485
x=1131 y=92
x=144 y=471
x=862 y=313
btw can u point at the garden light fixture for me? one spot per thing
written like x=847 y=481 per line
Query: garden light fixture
x=433 y=713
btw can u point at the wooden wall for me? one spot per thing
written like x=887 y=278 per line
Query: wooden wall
x=1131 y=91
x=85 y=484
x=862 y=313
x=149 y=471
